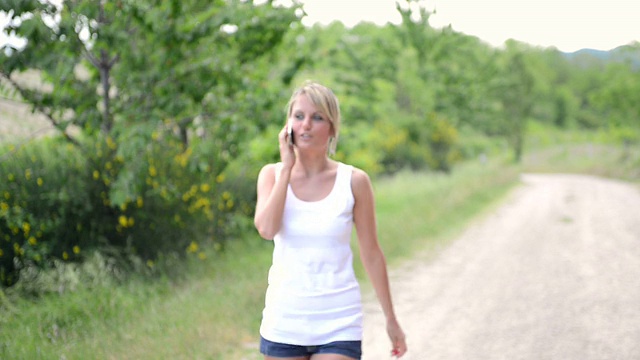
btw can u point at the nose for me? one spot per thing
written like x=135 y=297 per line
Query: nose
x=306 y=123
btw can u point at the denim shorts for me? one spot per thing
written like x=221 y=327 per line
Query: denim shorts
x=348 y=348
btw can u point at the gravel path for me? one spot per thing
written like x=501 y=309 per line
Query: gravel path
x=552 y=274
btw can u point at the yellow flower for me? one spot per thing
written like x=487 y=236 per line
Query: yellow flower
x=11 y=177
x=26 y=228
x=139 y=201
x=155 y=135
x=205 y=188
x=39 y=181
x=108 y=165
x=96 y=174
x=150 y=263
x=4 y=206
x=229 y=204
x=153 y=172
x=32 y=241
x=76 y=249
x=193 y=247
x=7 y=195
x=122 y=220
x=226 y=195
x=201 y=203
x=220 y=178
x=202 y=255
x=27 y=174
x=110 y=143
x=65 y=256
x=130 y=222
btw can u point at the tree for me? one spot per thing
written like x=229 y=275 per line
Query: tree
x=163 y=94
x=517 y=97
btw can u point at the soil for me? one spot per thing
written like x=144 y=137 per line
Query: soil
x=553 y=273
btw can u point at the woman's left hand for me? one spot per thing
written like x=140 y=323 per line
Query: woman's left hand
x=398 y=341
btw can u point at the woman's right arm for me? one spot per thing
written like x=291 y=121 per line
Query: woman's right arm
x=272 y=193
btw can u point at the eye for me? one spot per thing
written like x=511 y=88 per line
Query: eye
x=317 y=118
x=298 y=116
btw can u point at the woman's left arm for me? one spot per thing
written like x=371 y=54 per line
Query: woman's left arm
x=372 y=256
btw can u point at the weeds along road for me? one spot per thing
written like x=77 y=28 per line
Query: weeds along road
x=554 y=273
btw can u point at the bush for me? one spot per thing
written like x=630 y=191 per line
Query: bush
x=60 y=202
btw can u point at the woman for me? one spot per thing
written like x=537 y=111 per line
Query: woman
x=307 y=204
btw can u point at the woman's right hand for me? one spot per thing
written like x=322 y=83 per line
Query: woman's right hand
x=287 y=155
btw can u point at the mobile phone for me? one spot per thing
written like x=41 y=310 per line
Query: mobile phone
x=290 y=133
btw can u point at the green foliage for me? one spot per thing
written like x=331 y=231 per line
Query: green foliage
x=59 y=204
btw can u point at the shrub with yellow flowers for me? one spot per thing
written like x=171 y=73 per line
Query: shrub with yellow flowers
x=61 y=202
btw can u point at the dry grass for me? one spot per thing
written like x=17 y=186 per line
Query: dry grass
x=17 y=120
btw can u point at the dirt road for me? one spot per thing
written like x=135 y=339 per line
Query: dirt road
x=552 y=274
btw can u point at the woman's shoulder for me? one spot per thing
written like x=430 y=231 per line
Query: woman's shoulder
x=359 y=177
x=269 y=169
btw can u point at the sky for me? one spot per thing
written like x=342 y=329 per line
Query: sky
x=567 y=25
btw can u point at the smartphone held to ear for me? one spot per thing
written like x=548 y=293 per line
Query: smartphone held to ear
x=290 y=134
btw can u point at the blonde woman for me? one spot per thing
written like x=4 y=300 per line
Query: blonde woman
x=307 y=204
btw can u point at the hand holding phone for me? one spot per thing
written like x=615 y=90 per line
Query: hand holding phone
x=290 y=134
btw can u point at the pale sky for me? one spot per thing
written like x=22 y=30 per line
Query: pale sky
x=568 y=25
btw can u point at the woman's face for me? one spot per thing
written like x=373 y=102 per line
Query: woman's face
x=311 y=128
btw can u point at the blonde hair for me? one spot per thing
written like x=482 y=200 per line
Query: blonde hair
x=326 y=101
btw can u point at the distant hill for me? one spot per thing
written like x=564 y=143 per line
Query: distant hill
x=590 y=57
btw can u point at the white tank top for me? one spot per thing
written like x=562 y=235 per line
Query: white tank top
x=313 y=296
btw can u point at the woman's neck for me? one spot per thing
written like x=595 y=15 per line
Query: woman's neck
x=309 y=165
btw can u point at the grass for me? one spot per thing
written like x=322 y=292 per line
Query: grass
x=582 y=152
x=209 y=313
